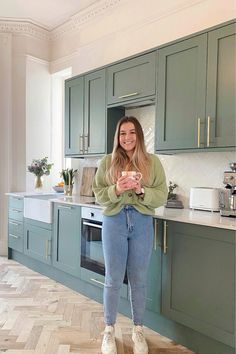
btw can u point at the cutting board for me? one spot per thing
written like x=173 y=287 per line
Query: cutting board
x=87 y=180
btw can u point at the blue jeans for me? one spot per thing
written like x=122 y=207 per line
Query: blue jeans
x=127 y=244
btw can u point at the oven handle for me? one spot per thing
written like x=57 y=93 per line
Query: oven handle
x=91 y=224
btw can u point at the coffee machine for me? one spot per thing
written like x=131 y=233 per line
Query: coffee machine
x=228 y=194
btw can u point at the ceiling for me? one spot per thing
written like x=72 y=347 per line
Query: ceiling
x=49 y=14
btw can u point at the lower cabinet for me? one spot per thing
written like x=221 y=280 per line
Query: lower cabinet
x=37 y=240
x=153 y=299
x=198 y=279
x=67 y=238
x=15 y=223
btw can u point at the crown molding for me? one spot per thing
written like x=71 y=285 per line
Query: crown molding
x=84 y=16
x=25 y=28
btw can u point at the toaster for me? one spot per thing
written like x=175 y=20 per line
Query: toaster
x=204 y=198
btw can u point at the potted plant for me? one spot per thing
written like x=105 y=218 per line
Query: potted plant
x=68 y=178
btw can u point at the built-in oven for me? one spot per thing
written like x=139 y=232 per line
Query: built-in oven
x=91 y=241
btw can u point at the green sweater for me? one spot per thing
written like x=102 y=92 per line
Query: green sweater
x=155 y=194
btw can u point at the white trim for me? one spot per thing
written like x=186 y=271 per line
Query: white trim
x=37 y=60
x=25 y=28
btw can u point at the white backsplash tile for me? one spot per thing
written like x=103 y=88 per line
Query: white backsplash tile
x=199 y=169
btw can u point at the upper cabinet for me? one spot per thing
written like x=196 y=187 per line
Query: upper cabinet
x=74 y=116
x=196 y=91
x=131 y=79
x=85 y=115
x=221 y=93
x=195 y=97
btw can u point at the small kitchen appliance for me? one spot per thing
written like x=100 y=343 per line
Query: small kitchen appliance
x=204 y=198
x=228 y=194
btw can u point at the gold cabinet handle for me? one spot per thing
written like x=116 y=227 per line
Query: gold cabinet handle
x=86 y=143
x=165 y=238
x=155 y=235
x=129 y=95
x=208 y=130
x=47 y=253
x=97 y=281
x=198 y=132
x=81 y=143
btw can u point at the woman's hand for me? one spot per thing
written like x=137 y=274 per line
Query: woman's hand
x=125 y=183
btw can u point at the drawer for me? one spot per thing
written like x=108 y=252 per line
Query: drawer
x=15 y=241
x=16 y=202
x=99 y=280
x=15 y=227
x=15 y=214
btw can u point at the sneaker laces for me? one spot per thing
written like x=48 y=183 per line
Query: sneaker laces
x=108 y=338
x=139 y=335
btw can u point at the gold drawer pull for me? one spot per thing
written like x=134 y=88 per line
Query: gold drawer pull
x=198 y=132
x=97 y=281
x=16 y=210
x=129 y=95
x=155 y=234
x=14 y=223
x=14 y=236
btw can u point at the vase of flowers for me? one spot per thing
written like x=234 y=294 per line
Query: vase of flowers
x=40 y=168
x=68 y=178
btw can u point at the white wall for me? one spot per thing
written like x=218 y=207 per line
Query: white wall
x=38 y=117
x=5 y=131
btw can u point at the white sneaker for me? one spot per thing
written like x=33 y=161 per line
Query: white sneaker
x=140 y=344
x=108 y=342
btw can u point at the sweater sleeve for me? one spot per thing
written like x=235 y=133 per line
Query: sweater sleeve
x=105 y=194
x=156 y=194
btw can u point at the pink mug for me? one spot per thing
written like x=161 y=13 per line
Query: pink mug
x=132 y=174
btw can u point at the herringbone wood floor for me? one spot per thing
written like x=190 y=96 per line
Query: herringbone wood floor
x=41 y=316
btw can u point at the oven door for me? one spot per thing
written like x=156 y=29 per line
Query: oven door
x=91 y=246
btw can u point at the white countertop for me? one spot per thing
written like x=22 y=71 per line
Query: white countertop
x=198 y=217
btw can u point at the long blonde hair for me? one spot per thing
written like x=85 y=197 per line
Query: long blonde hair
x=120 y=161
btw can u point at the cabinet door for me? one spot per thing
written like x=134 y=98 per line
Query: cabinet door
x=181 y=94
x=198 y=279
x=221 y=90
x=95 y=113
x=153 y=300
x=74 y=115
x=66 y=238
x=37 y=242
x=132 y=79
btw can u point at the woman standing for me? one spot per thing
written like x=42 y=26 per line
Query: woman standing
x=127 y=233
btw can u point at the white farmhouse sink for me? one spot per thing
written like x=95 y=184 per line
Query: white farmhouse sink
x=39 y=207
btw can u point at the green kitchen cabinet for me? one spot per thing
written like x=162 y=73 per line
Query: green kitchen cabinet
x=181 y=94
x=153 y=299
x=37 y=240
x=198 y=279
x=196 y=93
x=66 y=238
x=15 y=223
x=132 y=79
x=95 y=113
x=74 y=115
x=221 y=88
x=85 y=115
